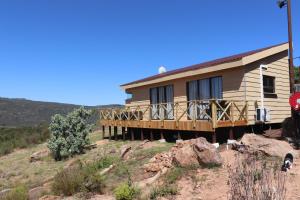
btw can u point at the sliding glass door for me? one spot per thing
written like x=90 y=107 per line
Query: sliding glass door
x=162 y=102
x=203 y=89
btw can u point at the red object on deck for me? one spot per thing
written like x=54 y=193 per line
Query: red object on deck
x=295 y=101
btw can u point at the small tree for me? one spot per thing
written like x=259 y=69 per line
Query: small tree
x=69 y=133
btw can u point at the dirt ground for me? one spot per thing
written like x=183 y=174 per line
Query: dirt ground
x=212 y=183
x=203 y=184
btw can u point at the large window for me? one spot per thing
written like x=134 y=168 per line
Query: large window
x=209 y=88
x=162 y=99
x=269 y=84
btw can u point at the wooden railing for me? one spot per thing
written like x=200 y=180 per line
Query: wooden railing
x=220 y=113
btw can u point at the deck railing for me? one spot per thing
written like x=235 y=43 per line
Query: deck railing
x=218 y=112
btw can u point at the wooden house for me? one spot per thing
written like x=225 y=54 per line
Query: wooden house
x=237 y=91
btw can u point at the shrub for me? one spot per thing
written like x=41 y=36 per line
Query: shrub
x=125 y=192
x=23 y=137
x=18 y=193
x=69 y=134
x=253 y=179
x=81 y=178
x=163 y=191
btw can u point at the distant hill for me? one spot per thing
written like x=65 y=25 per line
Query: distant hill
x=23 y=112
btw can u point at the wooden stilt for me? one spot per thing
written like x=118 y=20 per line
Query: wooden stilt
x=116 y=132
x=151 y=135
x=103 y=132
x=214 y=137
x=231 y=133
x=161 y=134
x=109 y=132
x=142 y=134
x=178 y=135
x=132 y=134
x=123 y=133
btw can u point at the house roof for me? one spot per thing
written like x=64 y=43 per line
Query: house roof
x=212 y=63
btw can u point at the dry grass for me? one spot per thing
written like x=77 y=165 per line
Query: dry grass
x=253 y=178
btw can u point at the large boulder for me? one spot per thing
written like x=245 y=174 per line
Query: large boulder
x=267 y=146
x=195 y=152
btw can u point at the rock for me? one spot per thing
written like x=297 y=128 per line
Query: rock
x=196 y=151
x=124 y=151
x=112 y=151
x=39 y=155
x=268 y=146
x=36 y=193
x=149 y=181
x=73 y=164
x=91 y=146
x=4 y=192
x=159 y=162
x=50 y=197
x=106 y=170
x=185 y=156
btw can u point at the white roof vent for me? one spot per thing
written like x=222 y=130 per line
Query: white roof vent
x=162 y=69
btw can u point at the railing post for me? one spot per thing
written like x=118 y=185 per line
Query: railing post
x=246 y=111
x=214 y=113
x=232 y=112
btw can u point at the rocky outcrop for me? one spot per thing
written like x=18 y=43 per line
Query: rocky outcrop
x=271 y=147
x=195 y=152
x=39 y=155
x=186 y=153
x=159 y=161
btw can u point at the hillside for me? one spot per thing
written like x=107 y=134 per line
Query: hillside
x=23 y=112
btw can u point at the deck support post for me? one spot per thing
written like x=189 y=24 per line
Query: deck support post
x=162 y=139
x=116 y=132
x=178 y=135
x=197 y=134
x=103 y=132
x=123 y=133
x=132 y=134
x=142 y=134
x=151 y=135
x=109 y=132
x=214 y=137
x=231 y=133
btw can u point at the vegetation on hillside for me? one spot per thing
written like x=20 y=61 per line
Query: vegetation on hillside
x=22 y=112
x=69 y=133
x=12 y=138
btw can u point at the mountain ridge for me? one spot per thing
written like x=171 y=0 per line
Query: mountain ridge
x=18 y=112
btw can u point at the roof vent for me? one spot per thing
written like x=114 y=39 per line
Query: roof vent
x=162 y=69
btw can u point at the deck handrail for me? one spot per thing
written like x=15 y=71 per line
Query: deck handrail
x=216 y=111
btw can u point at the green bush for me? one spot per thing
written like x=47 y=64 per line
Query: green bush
x=81 y=178
x=12 y=138
x=163 y=191
x=125 y=192
x=69 y=133
x=18 y=193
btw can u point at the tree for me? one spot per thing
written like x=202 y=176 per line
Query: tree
x=69 y=133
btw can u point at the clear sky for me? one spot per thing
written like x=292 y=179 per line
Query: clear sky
x=80 y=51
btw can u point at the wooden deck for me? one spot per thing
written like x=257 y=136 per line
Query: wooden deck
x=199 y=115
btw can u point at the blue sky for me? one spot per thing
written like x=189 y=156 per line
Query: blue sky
x=80 y=51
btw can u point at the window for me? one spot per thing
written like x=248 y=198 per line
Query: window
x=205 y=89
x=269 y=84
x=161 y=100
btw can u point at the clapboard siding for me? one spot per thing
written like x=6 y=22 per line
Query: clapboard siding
x=278 y=68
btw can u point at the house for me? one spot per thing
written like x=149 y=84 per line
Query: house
x=242 y=90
